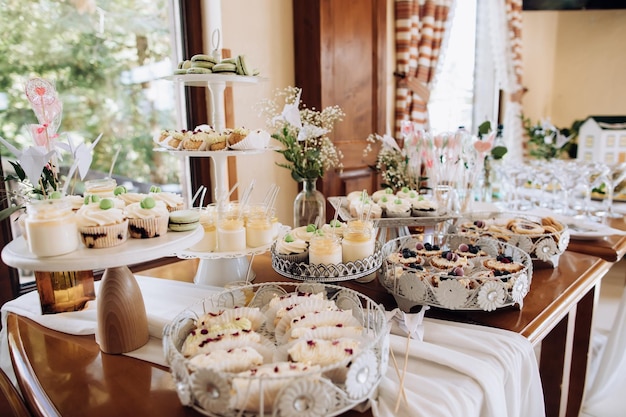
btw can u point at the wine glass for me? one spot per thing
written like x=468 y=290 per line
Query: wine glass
x=594 y=174
x=616 y=174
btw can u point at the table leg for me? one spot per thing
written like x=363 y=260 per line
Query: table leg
x=554 y=365
x=580 y=352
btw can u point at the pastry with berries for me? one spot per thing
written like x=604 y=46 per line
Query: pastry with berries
x=449 y=260
x=427 y=250
x=502 y=265
x=458 y=274
x=470 y=251
x=407 y=258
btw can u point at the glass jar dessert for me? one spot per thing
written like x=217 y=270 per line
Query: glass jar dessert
x=51 y=227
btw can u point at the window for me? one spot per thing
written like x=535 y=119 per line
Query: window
x=108 y=60
x=452 y=99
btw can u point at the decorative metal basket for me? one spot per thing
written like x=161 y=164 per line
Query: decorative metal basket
x=544 y=247
x=303 y=271
x=326 y=391
x=476 y=289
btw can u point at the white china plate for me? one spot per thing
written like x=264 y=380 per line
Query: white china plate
x=587 y=231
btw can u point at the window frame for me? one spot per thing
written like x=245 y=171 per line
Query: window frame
x=187 y=16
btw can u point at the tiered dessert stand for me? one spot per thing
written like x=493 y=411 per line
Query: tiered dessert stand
x=218 y=268
x=121 y=313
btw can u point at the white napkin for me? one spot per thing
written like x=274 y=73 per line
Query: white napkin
x=463 y=370
x=164 y=299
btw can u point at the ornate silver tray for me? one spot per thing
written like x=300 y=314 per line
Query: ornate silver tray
x=344 y=215
x=477 y=289
x=327 y=273
x=328 y=390
x=545 y=248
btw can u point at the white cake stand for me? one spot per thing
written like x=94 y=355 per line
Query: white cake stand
x=121 y=313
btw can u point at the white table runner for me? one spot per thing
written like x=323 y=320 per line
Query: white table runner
x=457 y=370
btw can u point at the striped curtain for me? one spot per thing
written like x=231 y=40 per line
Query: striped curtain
x=420 y=29
x=513 y=134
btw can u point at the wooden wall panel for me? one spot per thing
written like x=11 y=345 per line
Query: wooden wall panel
x=339 y=60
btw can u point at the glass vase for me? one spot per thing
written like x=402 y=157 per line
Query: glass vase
x=309 y=205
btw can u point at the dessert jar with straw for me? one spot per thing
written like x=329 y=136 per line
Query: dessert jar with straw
x=259 y=227
x=325 y=249
x=208 y=221
x=102 y=187
x=231 y=233
x=358 y=241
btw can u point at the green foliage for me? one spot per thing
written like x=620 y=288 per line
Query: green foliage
x=50 y=39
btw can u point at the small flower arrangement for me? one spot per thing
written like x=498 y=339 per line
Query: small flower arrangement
x=302 y=132
x=393 y=163
x=546 y=141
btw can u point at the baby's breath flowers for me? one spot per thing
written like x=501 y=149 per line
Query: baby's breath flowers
x=303 y=133
x=393 y=164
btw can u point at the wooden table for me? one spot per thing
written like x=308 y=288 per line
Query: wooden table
x=67 y=375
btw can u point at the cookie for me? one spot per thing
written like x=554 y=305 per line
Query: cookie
x=224 y=67
x=184 y=220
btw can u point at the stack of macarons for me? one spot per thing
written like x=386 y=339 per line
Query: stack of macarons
x=208 y=64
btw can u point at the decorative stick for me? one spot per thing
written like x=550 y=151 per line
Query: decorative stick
x=395 y=365
x=119 y=148
x=406 y=362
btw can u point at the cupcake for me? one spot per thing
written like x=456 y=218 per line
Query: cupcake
x=122 y=194
x=335 y=226
x=237 y=135
x=365 y=209
x=292 y=249
x=422 y=206
x=383 y=202
x=256 y=139
x=148 y=218
x=406 y=193
x=172 y=201
x=387 y=192
x=399 y=207
x=101 y=224
x=304 y=232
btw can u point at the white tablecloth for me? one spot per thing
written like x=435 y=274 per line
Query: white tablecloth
x=457 y=370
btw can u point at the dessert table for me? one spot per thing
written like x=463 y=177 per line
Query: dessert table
x=451 y=372
x=557 y=311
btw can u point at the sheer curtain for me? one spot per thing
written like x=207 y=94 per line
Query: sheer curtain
x=421 y=30
x=499 y=36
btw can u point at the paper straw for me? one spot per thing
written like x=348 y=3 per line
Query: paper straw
x=198 y=191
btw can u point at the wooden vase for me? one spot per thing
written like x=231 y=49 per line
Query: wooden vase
x=122 y=319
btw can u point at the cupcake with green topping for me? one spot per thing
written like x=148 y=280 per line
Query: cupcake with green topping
x=147 y=219
x=121 y=194
x=304 y=232
x=101 y=224
x=172 y=201
x=293 y=249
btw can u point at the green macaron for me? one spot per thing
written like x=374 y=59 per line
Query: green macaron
x=224 y=67
x=184 y=220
